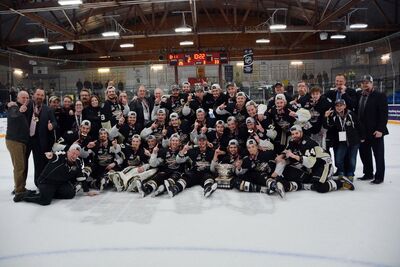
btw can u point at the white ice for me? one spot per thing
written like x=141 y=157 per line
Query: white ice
x=344 y=228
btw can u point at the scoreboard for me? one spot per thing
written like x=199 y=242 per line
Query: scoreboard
x=189 y=59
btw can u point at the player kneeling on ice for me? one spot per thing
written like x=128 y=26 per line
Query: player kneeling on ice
x=136 y=167
x=305 y=165
x=253 y=172
x=166 y=162
x=59 y=178
x=199 y=174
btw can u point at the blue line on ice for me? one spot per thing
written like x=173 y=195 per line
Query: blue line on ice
x=195 y=249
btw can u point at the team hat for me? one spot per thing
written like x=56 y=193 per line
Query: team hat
x=86 y=123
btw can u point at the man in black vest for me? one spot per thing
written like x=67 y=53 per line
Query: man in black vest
x=372 y=111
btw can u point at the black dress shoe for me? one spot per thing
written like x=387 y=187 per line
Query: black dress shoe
x=376 y=181
x=365 y=178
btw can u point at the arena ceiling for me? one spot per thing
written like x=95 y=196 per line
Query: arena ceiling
x=229 y=26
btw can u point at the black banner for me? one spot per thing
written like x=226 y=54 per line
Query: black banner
x=228 y=73
x=248 y=61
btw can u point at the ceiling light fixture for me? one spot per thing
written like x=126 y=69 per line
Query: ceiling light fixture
x=127 y=45
x=186 y=43
x=56 y=47
x=157 y=67
x=338 y=36
x=37 y=40
x=359 y=21
x=110 y=34
x=262 y=41
x=184 y=28
x=103 y=70
x=296 y=62
x=69 y=2
x=278 y=23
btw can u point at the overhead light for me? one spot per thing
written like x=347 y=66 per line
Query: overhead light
x=110 y=34
x=186 y=43
x=129 y=45
x=262 y=41
x=56 y=47
x=338 y=36
x=385 y=57
x=296 y=62
x=184 y=28
x=18 y=72
x=69 y=2
x=37 y=40
x=104 y=56
x=357 y=18
x=358 y=26
x=278 y=19
x=103 y=70
x=157 y=67
x=277 y=26
x=240 y=64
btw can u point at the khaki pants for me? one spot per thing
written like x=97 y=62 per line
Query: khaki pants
x=17 y=151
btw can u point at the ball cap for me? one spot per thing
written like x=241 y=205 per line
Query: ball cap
x=250 y=120
x=296 y=128
x=340 y=102
x=202 y=137
x=367 y=78
x=86 y=123
x=251 y=142
x=233 y=142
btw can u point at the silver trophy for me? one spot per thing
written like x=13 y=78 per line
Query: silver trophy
x=225 y=175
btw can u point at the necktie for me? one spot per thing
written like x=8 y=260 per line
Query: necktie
x=35 y=118
x=363 y=100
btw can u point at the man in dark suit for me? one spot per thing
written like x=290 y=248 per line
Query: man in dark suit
x=42 y=122
x=372 y=111
x=142 y=105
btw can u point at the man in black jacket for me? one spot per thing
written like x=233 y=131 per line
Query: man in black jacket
x=373 y=114
x=17 y=139
x=58 y=178
x=143 y=106
x=42 y=123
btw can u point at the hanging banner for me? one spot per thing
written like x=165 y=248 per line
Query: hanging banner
x=248 y=61
x=228 y=73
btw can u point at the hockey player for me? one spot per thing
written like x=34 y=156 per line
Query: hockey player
x=136 y=167
x=283 y=118
x=218 y=137
x=176 y=126
x=169 y=168
x=156 y=127
x=258 y=133
x=127 y=128
x=58 y=178
x=253 y=172
x=199 y=174
x=112 y=110
x=106 y=156
x=305 y=165
x=234 y=132
x=223 y=164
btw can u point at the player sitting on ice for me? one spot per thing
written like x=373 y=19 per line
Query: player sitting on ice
x=58 y=178
x=223 y=164
x=200 y=160
x=305 y=165
x=169 y=168
x=136 y=167
x=105 y=156
x=253 y=172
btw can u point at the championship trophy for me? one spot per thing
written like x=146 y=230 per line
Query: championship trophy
x=225 y=175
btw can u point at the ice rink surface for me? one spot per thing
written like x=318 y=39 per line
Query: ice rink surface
x=344 y=228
